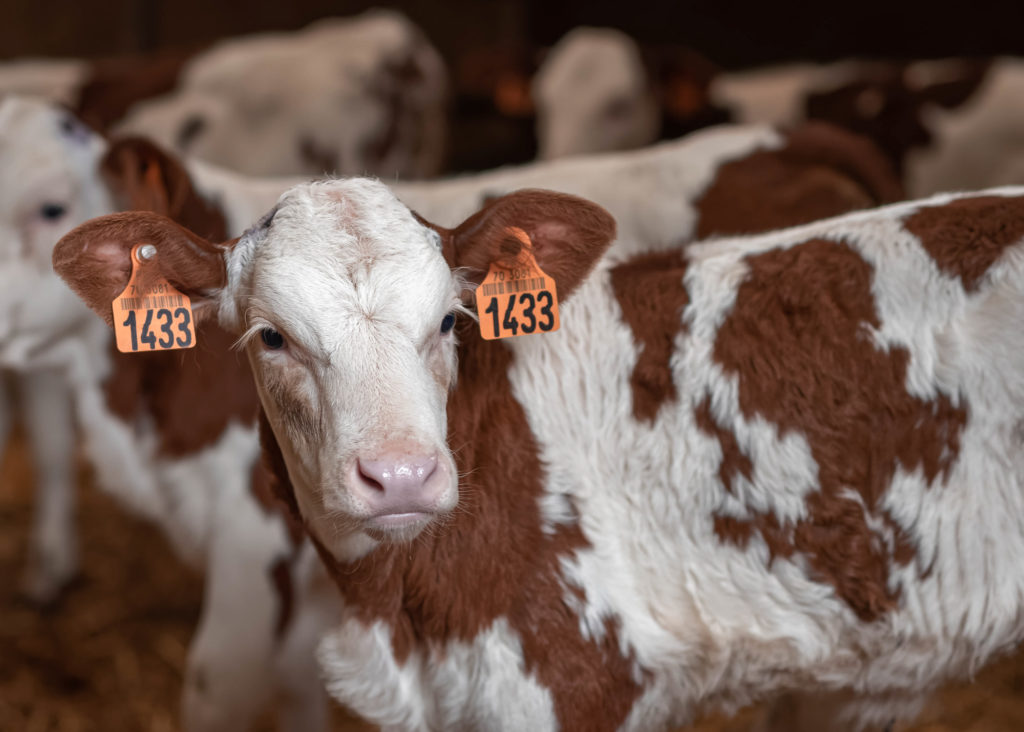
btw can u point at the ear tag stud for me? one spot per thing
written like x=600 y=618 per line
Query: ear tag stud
x=516 y=297
x=150 y=314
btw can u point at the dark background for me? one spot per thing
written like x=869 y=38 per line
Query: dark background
x=734 y=33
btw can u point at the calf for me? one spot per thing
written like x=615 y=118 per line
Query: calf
x=754 y=465
x=356 y=95
x=788 y=461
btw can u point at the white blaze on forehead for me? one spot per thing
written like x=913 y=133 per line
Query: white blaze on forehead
x=341 y=254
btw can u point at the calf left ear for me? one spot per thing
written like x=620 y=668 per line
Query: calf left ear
x=95 y=260
x=569 y=235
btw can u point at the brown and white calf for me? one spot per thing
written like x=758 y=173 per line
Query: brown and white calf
x=789 y=461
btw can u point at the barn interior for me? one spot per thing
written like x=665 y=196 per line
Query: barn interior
x=108 y=652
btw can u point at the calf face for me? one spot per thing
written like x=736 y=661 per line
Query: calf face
x=345 y=302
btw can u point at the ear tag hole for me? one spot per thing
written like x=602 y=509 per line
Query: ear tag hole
x=151 y=314
x=517 y=297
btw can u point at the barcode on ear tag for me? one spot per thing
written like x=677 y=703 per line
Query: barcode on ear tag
x=516 y=297
x=150 y=314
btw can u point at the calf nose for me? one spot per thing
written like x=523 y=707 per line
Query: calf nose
x=403 y=473
x=399 y=482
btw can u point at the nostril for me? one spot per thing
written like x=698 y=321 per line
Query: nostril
x=368 y=476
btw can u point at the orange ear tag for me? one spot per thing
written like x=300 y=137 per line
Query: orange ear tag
x=150 y=314
x=516 y=297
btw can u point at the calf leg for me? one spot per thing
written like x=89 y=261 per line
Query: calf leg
x=303 y=699
x=229 y=679
x=46 y=402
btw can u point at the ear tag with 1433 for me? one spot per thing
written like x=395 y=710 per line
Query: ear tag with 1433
x=150 y=314
x=516 y=297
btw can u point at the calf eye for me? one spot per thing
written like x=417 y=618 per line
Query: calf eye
x=448 y=322
x=52 y=211
x=272 y=339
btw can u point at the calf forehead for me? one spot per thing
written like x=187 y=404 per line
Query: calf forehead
x=349 y=247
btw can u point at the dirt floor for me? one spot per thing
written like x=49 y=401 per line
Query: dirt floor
x=110 y=656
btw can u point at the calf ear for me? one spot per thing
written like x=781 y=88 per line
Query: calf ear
x=94 y=259
x=569 y=235
x=143 y=177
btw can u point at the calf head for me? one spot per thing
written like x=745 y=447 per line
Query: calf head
x=593 y=95
x=346 y=302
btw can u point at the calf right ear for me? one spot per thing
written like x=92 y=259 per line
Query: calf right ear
x=94 y=259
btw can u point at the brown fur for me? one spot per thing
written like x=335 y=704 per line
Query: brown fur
x=967 y=236
x=795 y=340
x=821 y=171
x=652 y=299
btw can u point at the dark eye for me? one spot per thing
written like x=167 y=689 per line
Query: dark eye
x=272 y=339
x=52 y=211
x=448 y=322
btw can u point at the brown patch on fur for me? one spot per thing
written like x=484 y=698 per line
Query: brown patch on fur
x=281 y=577
x=191 y=396
x=275 y=471
x=967 y=236
x=652 y=297
x=300 y=419
x=796 y=340
x=821 y=171
x=263 y=487
x=115 y=84
x=734 y=462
